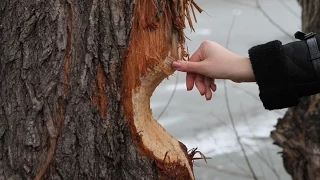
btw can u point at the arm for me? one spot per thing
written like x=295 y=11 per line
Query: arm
x=283 y=72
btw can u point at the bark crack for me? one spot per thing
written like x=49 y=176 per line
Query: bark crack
x=4 y=123
x=37 y=105
x=53 y=131
x=100 y=98
x=67 y=60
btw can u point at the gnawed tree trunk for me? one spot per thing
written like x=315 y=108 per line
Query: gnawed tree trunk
x=298 y=133
x=75 y=84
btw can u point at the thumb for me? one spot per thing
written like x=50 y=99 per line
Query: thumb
x=187 y=66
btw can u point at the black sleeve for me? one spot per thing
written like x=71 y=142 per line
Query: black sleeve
x=283 y=73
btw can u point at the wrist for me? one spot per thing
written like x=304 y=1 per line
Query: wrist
x=242 y=70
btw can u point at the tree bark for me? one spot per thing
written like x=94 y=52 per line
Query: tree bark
x=298 y=132
x=76 y=79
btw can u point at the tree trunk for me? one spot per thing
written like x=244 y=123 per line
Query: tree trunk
x=75 y=84
x=298 y=133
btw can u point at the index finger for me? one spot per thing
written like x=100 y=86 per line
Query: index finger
x=196 y=56
x=190 y=77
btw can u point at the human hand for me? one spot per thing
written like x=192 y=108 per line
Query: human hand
x=212 y=61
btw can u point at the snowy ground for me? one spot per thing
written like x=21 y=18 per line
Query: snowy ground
x=206 y=124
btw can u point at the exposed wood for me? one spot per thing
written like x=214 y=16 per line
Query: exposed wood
x=76 y=79
x=157 y=40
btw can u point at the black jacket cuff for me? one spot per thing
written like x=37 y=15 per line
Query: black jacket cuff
x=276 y=88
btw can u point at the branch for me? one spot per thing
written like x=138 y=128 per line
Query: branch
x=289 y=9
x=263 y=159
x=265 y=14
x=229 y=110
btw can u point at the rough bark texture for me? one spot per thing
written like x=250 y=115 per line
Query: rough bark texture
x=298 y=133
x=68 y=79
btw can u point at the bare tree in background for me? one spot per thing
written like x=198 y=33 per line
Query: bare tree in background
x=298 y=133
x=75 y=84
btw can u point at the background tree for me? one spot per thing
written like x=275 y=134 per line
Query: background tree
x=75 y=84
x=298 y=133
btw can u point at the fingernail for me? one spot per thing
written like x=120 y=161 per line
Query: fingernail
x=176 y=64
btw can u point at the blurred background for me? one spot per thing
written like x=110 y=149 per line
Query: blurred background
x=207 y=125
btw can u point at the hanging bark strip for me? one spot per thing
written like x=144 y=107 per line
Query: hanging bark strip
x=157 y=39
